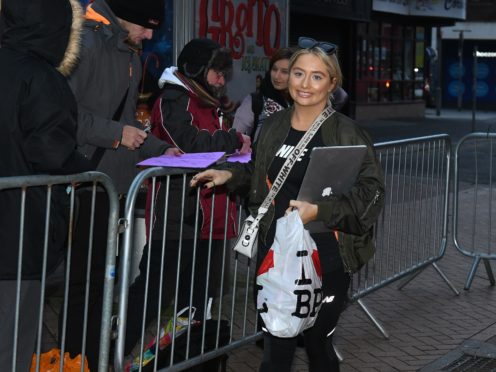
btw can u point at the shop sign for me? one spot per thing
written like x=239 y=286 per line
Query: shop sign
x=252 y=29
x=456 y=79
x=486 y=54
x=425 y=8
x=343 y=9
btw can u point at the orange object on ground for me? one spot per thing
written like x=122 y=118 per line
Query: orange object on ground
x=50 y=362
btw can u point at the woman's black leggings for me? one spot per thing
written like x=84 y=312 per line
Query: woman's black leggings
x=279 y=352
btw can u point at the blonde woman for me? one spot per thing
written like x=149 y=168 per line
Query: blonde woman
x=314 y=74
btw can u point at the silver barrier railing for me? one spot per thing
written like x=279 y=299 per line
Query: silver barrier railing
x=411 y=233
x=167 y=295
x=474 y=233
x=46 y=186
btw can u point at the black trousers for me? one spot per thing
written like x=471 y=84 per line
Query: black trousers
x=137 y=296
x=279 y=352
x=78 y=273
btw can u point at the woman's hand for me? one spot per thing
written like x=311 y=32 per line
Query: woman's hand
x=307 y=211
x=211 y=178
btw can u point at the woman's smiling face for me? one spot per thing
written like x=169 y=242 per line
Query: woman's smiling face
x=309 y=81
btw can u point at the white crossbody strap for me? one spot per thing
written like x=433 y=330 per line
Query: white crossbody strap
x=291 y=160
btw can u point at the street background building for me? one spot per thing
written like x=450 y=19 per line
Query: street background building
x=458 y=44
x=398 y=57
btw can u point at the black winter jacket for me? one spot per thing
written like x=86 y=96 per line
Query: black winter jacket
x=351 y=214
x=38 y=117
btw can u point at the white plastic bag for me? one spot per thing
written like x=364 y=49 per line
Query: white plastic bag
x=289 y=280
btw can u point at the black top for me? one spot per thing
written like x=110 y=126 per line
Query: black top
x=327 y=244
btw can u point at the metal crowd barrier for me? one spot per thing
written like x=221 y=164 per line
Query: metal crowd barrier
x=91 y=180
x=233 y=304
x=474 y=233
x=411 y=233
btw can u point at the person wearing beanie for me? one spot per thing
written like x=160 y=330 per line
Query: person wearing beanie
x=187 y=115
x=106 y=85
x=201 y=57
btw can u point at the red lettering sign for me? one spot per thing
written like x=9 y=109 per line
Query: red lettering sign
x=230 y=25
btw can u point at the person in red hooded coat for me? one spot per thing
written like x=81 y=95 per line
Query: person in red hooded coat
x=189 y=116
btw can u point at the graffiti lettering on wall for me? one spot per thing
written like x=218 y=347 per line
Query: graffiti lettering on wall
x=233 y=25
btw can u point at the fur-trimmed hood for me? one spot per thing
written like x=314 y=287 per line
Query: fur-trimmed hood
x=50 y=30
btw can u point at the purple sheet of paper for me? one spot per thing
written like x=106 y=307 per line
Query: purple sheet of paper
x=241 y=158
x=190 y=160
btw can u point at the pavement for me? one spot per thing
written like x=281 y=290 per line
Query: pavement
x=427 y=323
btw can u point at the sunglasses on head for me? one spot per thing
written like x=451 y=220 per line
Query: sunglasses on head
x=309 y=43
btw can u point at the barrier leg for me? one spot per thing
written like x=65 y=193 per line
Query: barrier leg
x=471 y=274
x=445 y=278
x=373 y=319
x=439 y=271
x=489 y=271
x=410 y=278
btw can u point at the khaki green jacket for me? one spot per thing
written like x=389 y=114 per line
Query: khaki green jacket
x=352 y=214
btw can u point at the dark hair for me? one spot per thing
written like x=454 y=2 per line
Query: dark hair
x=283 y=53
